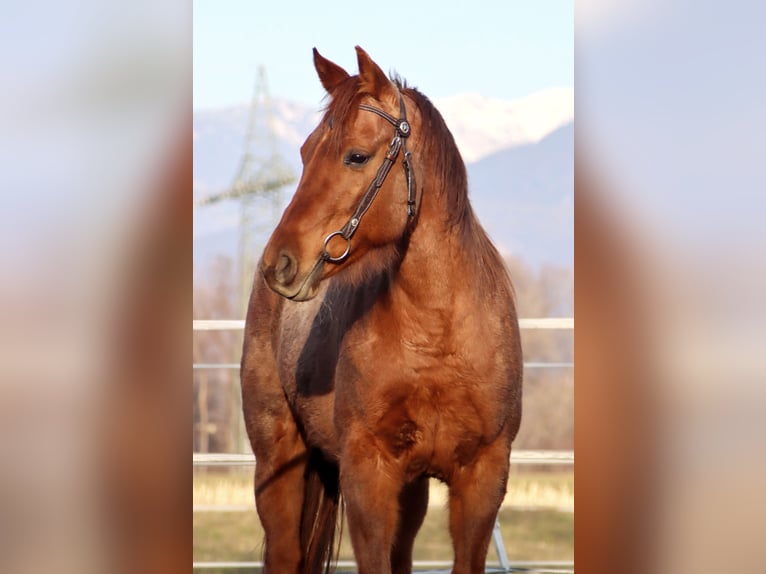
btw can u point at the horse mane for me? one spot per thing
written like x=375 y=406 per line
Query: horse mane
x=451 y=179
x=447 y=175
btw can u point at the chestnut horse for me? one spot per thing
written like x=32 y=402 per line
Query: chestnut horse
x=381 y=343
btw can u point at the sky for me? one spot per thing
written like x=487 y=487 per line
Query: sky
x=498 y=49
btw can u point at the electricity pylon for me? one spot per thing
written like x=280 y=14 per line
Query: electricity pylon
x=258 y=185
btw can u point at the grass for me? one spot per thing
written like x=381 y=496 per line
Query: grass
x=525 y=489
x=527 y=534
x=532 y=523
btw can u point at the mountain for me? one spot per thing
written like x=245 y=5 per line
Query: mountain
x=219 y=138
x=519 y=156
x=482 y=126
x=524 y=197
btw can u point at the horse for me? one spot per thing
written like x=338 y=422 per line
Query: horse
x=381 y=345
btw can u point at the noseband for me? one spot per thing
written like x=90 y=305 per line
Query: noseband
x=397 y=143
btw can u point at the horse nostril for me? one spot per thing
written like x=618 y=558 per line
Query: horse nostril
x=286 y=269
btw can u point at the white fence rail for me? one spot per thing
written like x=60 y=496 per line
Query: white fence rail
x=517 y=457
x=548 y=323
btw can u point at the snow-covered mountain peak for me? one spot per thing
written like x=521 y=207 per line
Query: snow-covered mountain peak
x=483 y=125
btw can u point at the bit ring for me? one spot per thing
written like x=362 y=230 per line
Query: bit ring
x=326 y=254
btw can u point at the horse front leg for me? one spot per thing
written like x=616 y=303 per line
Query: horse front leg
x=413 y=505
x=476 y=492
x=371 y=482
x=279 y=492
x=280 y=463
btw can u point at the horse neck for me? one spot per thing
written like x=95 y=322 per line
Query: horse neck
x=436 y=267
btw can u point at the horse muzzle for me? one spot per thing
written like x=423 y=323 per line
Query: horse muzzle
x=284 y=277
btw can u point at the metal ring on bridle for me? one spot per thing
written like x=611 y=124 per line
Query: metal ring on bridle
x=326 y=254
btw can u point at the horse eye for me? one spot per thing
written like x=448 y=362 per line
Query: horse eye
x=355 y=158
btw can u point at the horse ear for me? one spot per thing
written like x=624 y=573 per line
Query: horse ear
x=372 y=79
x=330 y=73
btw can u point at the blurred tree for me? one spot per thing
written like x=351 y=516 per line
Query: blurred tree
x=215 y=417
x=548 y=401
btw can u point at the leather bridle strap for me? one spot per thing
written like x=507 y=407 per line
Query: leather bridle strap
x=397 y=143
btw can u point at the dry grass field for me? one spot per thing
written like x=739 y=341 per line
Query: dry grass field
x=537 y=519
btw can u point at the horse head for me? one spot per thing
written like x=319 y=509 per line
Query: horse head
x=333 y=223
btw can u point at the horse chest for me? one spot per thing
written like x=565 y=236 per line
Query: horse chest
x=433 y=410
x=424 y=394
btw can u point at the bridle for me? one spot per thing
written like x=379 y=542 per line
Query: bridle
x=398 y=142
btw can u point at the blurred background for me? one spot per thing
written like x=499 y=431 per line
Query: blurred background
x=95 y=286
x=670 y=283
